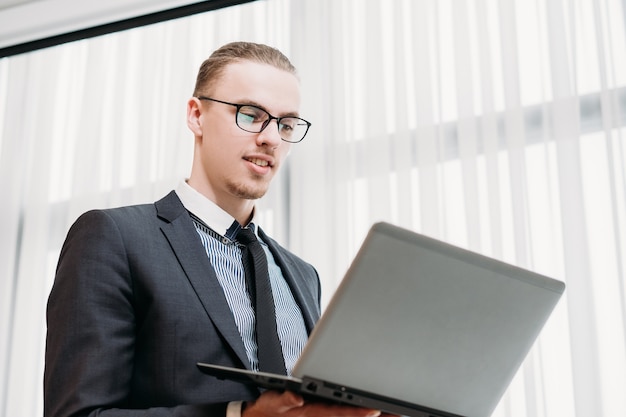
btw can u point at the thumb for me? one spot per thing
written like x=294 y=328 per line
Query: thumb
x=273 y=403
x=289 y=400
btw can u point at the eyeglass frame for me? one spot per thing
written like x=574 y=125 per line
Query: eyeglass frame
x=265 y=123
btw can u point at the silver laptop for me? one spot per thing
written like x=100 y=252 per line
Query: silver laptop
x=420 y=328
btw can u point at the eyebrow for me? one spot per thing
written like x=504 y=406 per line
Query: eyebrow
x=260 y=106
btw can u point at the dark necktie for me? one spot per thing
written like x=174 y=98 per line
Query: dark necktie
x=269 y=353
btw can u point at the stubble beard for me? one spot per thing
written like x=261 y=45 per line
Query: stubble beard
x=247 y=192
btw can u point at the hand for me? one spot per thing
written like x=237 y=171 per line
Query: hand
x=288 y=404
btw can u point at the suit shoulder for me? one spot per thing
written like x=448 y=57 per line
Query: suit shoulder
x=167 y=209
x=131 y=213
x=135 y=214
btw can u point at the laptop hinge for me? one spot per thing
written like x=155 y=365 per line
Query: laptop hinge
x=346 y=395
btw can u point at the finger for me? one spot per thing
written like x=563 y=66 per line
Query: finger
x=370 y=413
x=274 y=402
x=325 y=409
x=291 y=400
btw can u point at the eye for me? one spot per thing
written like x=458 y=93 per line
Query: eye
x=251 y=114
x=288 y=124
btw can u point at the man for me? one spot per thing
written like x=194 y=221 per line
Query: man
x=143 y=293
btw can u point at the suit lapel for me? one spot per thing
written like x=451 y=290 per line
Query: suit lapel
x=301 y=293
x=182 y=236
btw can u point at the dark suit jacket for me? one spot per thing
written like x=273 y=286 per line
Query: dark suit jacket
x=135 y=305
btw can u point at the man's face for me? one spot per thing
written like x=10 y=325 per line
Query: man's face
x=231 y=164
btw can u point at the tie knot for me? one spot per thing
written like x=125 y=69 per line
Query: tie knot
x=246 y=235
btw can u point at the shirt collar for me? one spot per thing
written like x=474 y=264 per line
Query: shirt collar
x=210 y=213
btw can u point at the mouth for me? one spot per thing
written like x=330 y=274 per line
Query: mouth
x=258 y=162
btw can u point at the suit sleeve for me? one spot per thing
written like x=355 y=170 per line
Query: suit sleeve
x=91 y=329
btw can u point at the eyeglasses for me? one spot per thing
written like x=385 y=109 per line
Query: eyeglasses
x=254 y=120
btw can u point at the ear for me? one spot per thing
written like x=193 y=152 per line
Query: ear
x=194 y=116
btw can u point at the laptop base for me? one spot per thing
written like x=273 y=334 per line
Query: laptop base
x=316 y=389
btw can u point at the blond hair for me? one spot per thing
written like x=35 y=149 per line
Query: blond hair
x=213 y=67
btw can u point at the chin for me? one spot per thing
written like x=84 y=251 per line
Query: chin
x=248 y=193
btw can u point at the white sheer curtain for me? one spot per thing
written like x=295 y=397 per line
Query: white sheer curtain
x=497 y=125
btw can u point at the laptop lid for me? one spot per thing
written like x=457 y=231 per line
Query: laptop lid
x=418 y=327
x=428 y=323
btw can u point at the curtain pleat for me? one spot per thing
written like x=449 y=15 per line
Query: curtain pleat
x=565 y=131
x=427 y=128
x=467 y=136
x=488 y=128
x=401 y=167
x=376 y=159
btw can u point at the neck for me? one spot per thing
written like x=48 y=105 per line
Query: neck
x=244 y=220
x=240 y=209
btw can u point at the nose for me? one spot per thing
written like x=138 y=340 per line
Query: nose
x=270 y=136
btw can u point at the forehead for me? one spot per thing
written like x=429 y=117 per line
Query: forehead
x=276 y=90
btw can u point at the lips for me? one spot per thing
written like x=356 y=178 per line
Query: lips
x=257 y=161
x=260 y=160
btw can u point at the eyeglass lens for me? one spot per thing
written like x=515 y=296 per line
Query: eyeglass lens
x=253 y=119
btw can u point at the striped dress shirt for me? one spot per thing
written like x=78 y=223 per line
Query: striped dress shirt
x=225 y=257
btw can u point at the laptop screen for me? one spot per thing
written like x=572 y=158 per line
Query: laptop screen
x=429 y=323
